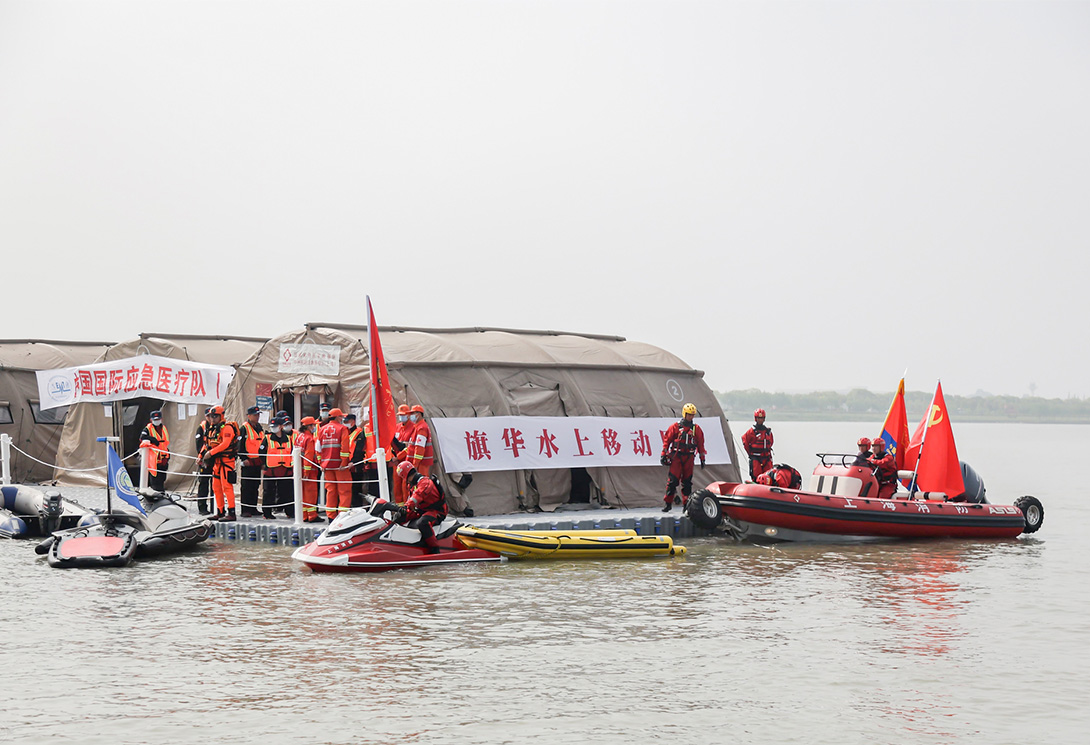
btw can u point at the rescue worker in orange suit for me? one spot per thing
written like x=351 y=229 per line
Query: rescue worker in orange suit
x=252 y=438
x=221 y=446
x=758 y=444
x=862 y=458
x=425 y=508
x=683 y=442
x=885 y=468
x=357 y=445
x=275 y=450
x=420 y=455
x=307 y=442
x=334 y=454
x=156 y=438
x=402 y=435
x=204 y=473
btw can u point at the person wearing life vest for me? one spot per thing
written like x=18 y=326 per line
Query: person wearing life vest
x=307 y=442
x=758 y=444
x=885 y=468
x=425 y=508
x=862 y=458
x=357 y=446
x=221 y=447
x=400 y=446
x=684 y=440
x=250 y=446
x=204 y=473
x=276 y=450
x=335 y=456
x=156 y=438
x=420 y=454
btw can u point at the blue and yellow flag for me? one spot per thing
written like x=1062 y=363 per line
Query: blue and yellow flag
x=118 y=479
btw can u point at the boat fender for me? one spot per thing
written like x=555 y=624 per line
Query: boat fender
x=43 y=548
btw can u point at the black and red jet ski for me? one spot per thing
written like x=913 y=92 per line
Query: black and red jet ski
x=360 y=541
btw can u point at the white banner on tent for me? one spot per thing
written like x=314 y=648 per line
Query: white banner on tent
x=508 y=443
x=322 y=359
x=144 y=376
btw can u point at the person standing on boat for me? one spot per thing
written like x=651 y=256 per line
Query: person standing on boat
x=204 y=473
x=334 y=452
x=307 y=442
x=885 y=468
x=157 y=439
x=862 y=458
x=758 y=444
x=683 y=442
x=252 y=438
x=420 y=455
x=425 y=508
x=221 y=447
x=275 y=450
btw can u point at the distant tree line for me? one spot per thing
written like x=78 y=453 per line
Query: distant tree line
x=861 y=405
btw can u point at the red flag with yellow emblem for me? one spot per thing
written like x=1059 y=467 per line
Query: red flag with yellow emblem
x=933 y=453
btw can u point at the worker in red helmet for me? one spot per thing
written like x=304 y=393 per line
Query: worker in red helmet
x=420 y=453
x=684 y=440
x=758 y=444
x=885 y=468
x=862 y=458
x=425 y=508
x=221 y=447
x=335 y=455
x=402 y=435
x=306 y=441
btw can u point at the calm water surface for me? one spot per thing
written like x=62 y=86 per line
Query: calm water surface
x=898 y=642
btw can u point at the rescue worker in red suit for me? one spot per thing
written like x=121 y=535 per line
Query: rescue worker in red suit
x=862 y=458
x=420 y=454
x=307 y=442
x=335 y=455
x=683 y=442
x=402 y=435
x=221 y=446
x=425 y=508
x=758 y=444
x=156 y=438
x=885 y=468
x=275 y=450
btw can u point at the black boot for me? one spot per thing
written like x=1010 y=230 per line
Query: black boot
x=667 y=506
x=229 y=517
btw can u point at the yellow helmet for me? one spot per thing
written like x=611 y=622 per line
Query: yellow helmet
x=688 y=409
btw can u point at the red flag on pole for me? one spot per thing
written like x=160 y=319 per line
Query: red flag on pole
x=933 y=452
x=383 y=414
x=895 y=430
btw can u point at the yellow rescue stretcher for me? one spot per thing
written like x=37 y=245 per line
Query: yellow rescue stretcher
x=568 y=544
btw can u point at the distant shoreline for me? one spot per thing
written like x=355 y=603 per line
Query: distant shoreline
x=812 y=416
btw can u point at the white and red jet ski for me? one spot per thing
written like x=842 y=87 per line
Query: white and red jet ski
x=358 y=541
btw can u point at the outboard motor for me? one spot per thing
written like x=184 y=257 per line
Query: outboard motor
x=974 y=486
x=49 y=514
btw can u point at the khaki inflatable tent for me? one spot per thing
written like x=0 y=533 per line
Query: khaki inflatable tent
x=78 y=450
x=33 y=431
x=481 y=372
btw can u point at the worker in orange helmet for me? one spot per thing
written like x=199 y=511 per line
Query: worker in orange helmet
x=402 y=435
x=307 y=442
x=335 y=455
x=425 y=508
x=885 y=468
x=221 y=447
x=420 y=454
x=862 y=458
x=757 y=441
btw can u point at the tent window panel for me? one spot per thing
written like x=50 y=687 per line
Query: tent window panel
x=128 y=414
x=5 y=414
x=47 y=416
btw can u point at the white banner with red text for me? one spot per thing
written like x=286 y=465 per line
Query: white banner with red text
x=509 y=443
x=135 y=377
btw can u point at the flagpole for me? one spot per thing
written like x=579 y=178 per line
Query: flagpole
x=380 y=452
x=923 y=440
x=108 y=440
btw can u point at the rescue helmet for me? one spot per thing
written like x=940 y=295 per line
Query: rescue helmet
x=864 y=442
x=417 y=409
x=403 y=469
x=689 y=409
x=334 y=413
x=879 y=443
x=216 y=411
x=759 y=414
x=403 y=409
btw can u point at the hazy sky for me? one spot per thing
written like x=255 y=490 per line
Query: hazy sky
x=790 y=196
